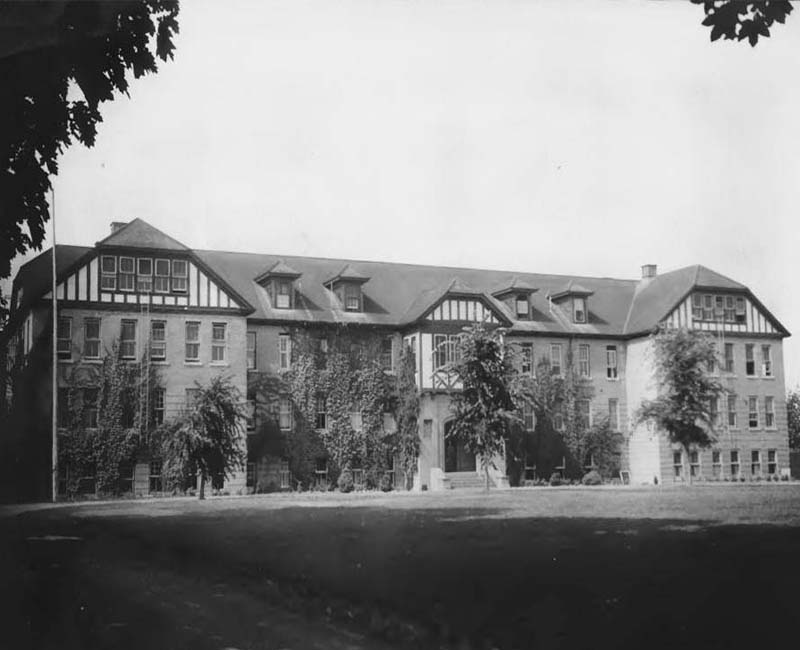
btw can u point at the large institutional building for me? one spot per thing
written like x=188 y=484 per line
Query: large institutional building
x=196 y=313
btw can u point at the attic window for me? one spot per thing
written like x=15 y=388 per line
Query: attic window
x=108 y=272
x=283 y=294
x=579 y=309
x=352 y=297
x=523 y=306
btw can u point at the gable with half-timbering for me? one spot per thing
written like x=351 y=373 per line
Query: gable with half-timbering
x=715 y=311
x=463 y=309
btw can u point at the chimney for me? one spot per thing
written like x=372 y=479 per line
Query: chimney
x=649 y=271
x=116 y=225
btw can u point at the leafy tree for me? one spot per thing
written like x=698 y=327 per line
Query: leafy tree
x=54 y=79
x=208 y=437
x=485 y=408
x=683 y=406
x=741 y=19
x=793 y=419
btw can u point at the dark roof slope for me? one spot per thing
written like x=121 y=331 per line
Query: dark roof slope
x=34 y=277
x=140 y=234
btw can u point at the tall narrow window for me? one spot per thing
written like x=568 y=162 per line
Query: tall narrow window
x=755 y=462
x=677 y=464
x=732 y=422
x=284 y=352
x=555 y=358
x=251 y=350
x=91 y=338
x=127 y=339
x=772 y=462
x=64 y=338
x=180 y=274
x=752 y=412
x=716 y=463
x=583 y=360
x=158 y=340
x=285 y=413
x=526 y=355
x=411 y=350
x=713 y=408
x=584 y=408
x=523 y=306
x=283 y=294
x=735 y=465
x=694 y=463
x=729 y=367
x=127 y=274
x=697 y=306
x=158 y=406
x=322 y=413
x=766 y=361
x=352 y=297
x=90 y=399
x=579 y=309
x=708 y=307
x=161 y=281
x=386 y=354
x=558 y=420
x=144 y=275
x=613 y=414
x=730 y=311
x=219 y=341
x=741 y=316
x=108 y=272
x=611 y=362
x=769 y=412
x=192 y=341
x=749 y=360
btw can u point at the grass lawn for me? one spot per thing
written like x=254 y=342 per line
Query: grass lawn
x=547 y=568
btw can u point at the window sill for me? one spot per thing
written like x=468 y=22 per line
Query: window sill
x=219 y=364
x=770 y=377
x=159 y=362
x=66 y=361
x=612 y=378
x=193 y=363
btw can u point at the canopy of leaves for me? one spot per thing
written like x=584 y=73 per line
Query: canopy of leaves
x=683 y=406
x=740 y=19
x=75 y=57
x=793 y=419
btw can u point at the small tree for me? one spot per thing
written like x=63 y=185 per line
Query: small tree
x=793 y=418
x=208 y=437
x=485 y=408
x=683 y=406
x=407 y=417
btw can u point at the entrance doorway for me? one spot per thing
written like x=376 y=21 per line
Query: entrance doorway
x=456 y=457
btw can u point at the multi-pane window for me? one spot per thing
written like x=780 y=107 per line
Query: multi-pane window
x=579 y=309
x=718 y=308
x=766 y=361
x=127 y=274
x=144 y=275
x=522 y=307
x=283 y=294
x=613 y=414
x=108 y=272
x=321 y=421
x=713 y=409
x=158 y=405
x=732 y=422
x=411 y=351
x=64 y=338
x=584 y=369
x=755 y=462
x=769 y=412
x=155 y=482
x=749 y=360
x=735 y=466
x=219 y=341
x=161 y=281
x=158 y=340
x=526 y=359
x=584 y=412
x=192 y=341
x=772 y=462
x=740 y=310
x=555 y=358
x=180 y=275
x=284 y=413
x=527 y=417
x=716 y=463
x=284 y=352
x=611 y=362
x=694 y=463
x=90 y=399
x=729 y=367
x=352 y=297
x=677 y=464
x=445 y=350
x=386 y=353
x=251 y=350
x=91 y=338
x=752 y=412
x=127 y=339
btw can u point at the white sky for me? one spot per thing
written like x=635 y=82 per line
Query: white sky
x=583 y=137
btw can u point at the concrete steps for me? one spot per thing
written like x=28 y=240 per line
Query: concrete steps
x=460 y=480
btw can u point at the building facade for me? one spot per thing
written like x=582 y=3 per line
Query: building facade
x=193 y=314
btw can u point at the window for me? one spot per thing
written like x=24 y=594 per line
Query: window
x=192 y=353
x=192 y=397
x=769 y=412
x=579 y=310
x=772 y=462
x=283 y=294
x=732 y=410
x=718 y=308
x=386 y=353
x=356 y=420
x=90 y=398
x=716 y=463
x=180 y=274
x=729 y=357
x=527 y=417
x=155 y=482
x=694 y=463
x=708 y=307
x=583 y=360
x=219 y=339
x=584 y=412
x=158 y=340
x=755 y=462
x=740 y=311
x=284 y=476
x=558 y=421
x=321 y=472
x=284 y=352
x=697 y=307
x=677 y=464
x=64 y=338
x=108 y=272
x=127 y=274
x=613 y=414
x=752 y=412
x=158 y=406
x=735 y=467
x=144 y=275
x=284 y=413
x=251 y=350
x=749 y=360
x=91 y=338
x=611 y=362
x=161 y=282
x=766 y=361
x=352 y=297
x=127 y=338
x=411 y=349
x=555 y=358
x=729 y=312
x=526 y=354
x=713 y=409
x=522 y=307
x=445 y=350
x=321 y=421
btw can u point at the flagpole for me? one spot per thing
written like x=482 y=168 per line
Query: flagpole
x=54 y=360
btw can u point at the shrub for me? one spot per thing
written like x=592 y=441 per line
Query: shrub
x=555 y=479
x=386 y=483
x=592 y=478
x=346 y=481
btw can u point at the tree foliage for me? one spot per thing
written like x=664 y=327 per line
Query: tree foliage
x=407 y=443
x=743 y=20
x=793 y=418
x=53 y=84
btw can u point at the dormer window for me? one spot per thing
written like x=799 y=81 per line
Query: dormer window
x=346 y=286
x=523 y=306
x=575 y=296
x=579 y=309
x=516 y=294
x=279 y=280
x=352 y=297
x=283 y=293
